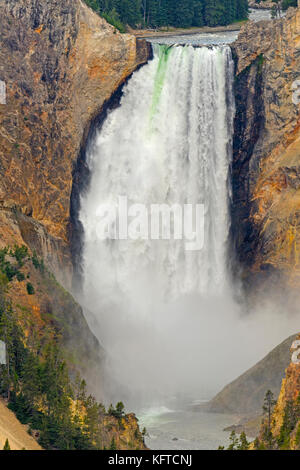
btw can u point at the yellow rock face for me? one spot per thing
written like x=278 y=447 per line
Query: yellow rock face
x=62 y=63
x=14 y=431
x=266 y=164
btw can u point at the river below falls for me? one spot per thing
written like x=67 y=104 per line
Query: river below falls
x=185 y=429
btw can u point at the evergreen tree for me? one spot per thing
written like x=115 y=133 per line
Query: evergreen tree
x=179 y=13
x=268 y=406
x=129 y=11
x=113 y=444
x=36 y=381
x=288 y=3
x=6 y=445
x=183 y=14
x=244 y=444
x=234 y=441
x=241 y=10
x=290 y=419
x=214 y=13
x=198 y=19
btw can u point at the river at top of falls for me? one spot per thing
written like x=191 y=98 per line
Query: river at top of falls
x=216 y=38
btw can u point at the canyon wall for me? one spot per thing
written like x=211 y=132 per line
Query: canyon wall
x=60 y=62
x=286 y=416
x=245 y=395
x=266 y=160
x=281 y=431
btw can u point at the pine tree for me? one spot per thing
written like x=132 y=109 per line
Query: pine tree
x=234 y=441
x=214 y=13
x=179 y=13
x=268 y=406
x=113 y=444
x=119 y=412
x=129 y=11
x=198 y=19
x=244 y=444
x=183 y=13
x=288 y=3
x=6 y=445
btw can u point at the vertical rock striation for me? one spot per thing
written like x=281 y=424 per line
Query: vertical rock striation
x=61 y=62
x=266 y=184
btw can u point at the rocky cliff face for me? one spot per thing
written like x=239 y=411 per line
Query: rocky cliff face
x=125 y=432
x=266 y=182
x=60 y=62
x=284 y=430
x=288 y=399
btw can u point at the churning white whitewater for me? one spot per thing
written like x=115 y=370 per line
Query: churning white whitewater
x=152 y=302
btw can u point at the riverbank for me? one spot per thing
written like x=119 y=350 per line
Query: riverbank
x=256 y=14
x=261 y=6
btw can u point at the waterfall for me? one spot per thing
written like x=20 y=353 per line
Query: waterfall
x=170 y=142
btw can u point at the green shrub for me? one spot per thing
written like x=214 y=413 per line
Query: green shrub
x=20 y=276
x=20 y=253
x=30 y=288
x=38 y=264
x=9 y=270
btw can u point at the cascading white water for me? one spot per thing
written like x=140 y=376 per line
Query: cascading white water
x=168 y=142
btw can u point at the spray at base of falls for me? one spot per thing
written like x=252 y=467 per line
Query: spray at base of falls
x=166 y=315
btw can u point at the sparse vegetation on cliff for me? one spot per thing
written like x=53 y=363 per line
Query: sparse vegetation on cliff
x=36 y=381
x=237 y=443
x=280 y=427
x=288 y=436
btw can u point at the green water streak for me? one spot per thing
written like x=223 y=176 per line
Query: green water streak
x=164 y=53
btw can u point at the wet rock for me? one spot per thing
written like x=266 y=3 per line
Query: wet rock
x=266 y=158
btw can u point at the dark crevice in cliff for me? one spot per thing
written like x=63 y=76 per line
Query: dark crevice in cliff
x=248 y=124
x=81 y=179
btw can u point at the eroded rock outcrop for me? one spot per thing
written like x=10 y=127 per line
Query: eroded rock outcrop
x=289 y=394
x=61 y=62
x=245 y=395
x=266 y=183
x=282 y=430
